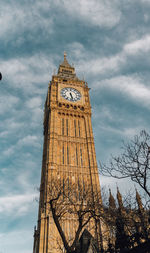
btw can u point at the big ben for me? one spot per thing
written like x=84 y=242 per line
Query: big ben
x=68 y=149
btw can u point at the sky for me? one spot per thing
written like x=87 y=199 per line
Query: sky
x=108 y=41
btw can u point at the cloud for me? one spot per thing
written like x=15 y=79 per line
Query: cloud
x=130 y=132
x=24 y=178
x=9 y=151
x=123 y=132
x=114 y=63
x=145 y=1
x=29 y=140
x=103 y=112
x=17 y=204
x=25 y=72
x=104 y=13
x=12 y=102
x=77 y=50
x=102 y=64
x=35 y=108
x=146 y=18
x=34 y=102
x=95 y=64
x=3 y=134
x=13 y=242
x=113 y=183
x=11 y=125
x=138 y=46
x=130 y=86
x=16 y=19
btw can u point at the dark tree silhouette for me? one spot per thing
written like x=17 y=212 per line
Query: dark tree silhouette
x=133 y=163
x=66 y=198
x=128 y=224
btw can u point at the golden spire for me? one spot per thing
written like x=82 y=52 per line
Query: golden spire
x=65 y=55
x=66 y=70
x=65 y=62
x=119 y=197
x=112 y=203
x=139 y=201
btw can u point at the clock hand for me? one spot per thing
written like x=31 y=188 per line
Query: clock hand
x=71 y=95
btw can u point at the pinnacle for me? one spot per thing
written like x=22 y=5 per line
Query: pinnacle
x=65 y=62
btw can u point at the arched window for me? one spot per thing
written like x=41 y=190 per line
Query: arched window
x=63 y=126
x=79 y=127
x=81 y=157
x=67 y=155
x=75 y=131
x=77 y=156
x=67 y=127
x=63 y=155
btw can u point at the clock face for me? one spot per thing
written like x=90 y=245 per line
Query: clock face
x=70 y=94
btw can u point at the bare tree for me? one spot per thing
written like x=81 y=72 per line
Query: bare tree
x=67 y=199
x=124 y=225
x=133 y=163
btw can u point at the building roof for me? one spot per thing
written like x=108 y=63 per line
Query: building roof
x=65 y=62
x=65 y=70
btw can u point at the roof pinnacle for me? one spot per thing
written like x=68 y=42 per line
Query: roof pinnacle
x=112 y=203
x=119 y=197
x=65 y=55
x=139 y=201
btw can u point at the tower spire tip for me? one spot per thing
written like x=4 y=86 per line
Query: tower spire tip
x=65 y=55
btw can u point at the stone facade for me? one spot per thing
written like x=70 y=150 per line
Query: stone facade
x=68 y=150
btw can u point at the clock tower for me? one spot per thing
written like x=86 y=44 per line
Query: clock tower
x=68 y=150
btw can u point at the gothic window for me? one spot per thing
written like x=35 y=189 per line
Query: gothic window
x=75 y=131
x=67 y=127
x=63 y=155
x=79 y=188
x=68 y=186
x=62 y=126
x=79 y=127
x=77 y=156
x=81 y=157
x=67 y=155
x=63 y=189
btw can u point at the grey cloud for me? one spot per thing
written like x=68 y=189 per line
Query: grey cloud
x=99 y=13
x=132 y=86
x=8 y=102
x=18 y=18
x=25 y=72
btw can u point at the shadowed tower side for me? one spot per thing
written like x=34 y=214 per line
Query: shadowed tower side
x=68 y=151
